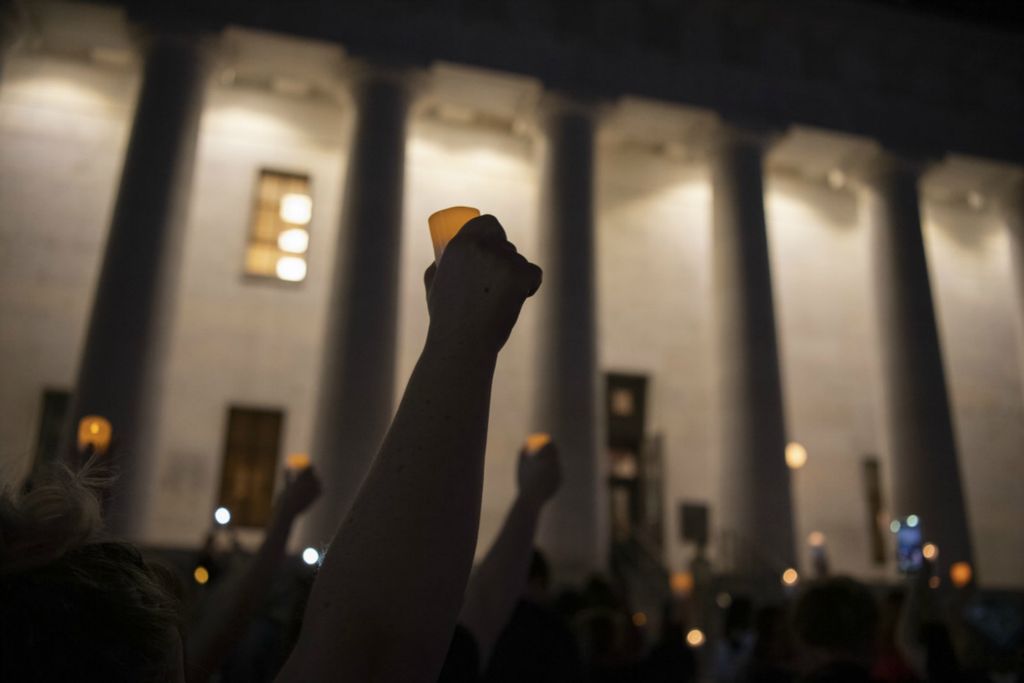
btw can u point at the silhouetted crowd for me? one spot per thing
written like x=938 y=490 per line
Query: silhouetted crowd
x=395 y=595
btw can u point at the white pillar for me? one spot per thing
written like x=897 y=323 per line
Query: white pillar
x=120 y=369
x=1011 y=206
x=755 y=502
x=574 y=526
x=357 y=377
x=918 y=423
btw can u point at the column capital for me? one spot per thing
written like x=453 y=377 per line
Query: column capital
x=728 y=136
x=887 y=166
x=1010 y=197
x=556 y=104
x=360 y=74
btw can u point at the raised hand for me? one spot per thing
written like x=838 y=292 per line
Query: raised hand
x=539 y=474
x=476 y=293
x=300 y=492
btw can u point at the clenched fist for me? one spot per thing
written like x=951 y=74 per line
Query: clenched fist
x=475 y=295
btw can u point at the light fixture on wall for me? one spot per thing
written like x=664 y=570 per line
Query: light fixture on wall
x=796 y=455
x=296 y=209
x=291 y=268
x=293 y=241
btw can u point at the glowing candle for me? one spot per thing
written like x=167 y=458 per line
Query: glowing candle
x=446 y=223
x=535 y=442
x=94 y=431
x=961 y=574
x=297 y=461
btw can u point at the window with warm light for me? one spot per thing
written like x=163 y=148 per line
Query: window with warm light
x=279 y=233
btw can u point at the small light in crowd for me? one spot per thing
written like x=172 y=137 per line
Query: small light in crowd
x=310 y=556
x=639 y=619
x=913 y=521
x=816 y=539
x=790 y=577
x=975 y=199
x=296 y=209
x=836 y=179
x=681 y=583
x=695 y=637
x=894 y=526
x=201 y=575
x=796 y=455
x=723 y=600
x=960 y=573
x=294 y=241
x=297 y=461
x=94 y=431
x=222 y=515
x=934 y=582
x=535 y=442
x=930 y=551
x=291 y=268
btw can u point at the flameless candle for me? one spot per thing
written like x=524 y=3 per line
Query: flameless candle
x=297 y=461
x=535 y=442
x=446 y=223
x=94 y=431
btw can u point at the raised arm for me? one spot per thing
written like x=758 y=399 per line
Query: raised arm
x=384 y=605
x=214 y=639
x=499 y=581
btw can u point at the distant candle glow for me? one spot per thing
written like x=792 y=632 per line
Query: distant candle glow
x=293 y=241
x=222 y=515
x=94 y=431
x=296 y=209
x=796 y=455
x=535 y=442
x=297 y=461
x=291 y=268
x=790 y=577
x=310 y=556
x=201 y=575
x=934 y=582
x=681 y=583
x=960 y=573
x=816 y=539
x=639 y=619
x=695 y=637
x=930 y=551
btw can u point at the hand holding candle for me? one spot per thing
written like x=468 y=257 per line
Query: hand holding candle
x=540 y=470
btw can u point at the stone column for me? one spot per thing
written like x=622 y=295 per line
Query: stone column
x=357 y=377
x=574 y=527
x=918 y=423
x=755 y=502
x=1011 y=205
x=119 y=374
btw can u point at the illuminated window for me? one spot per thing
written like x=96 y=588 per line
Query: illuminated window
x=250 y=461
x=279 y=234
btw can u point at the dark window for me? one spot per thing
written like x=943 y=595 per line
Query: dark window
x=251 y=446
x=52 y=414
x=875 y=517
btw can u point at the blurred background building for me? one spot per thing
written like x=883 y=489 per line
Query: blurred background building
x=783 y=247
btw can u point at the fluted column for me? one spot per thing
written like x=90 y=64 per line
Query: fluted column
x=574 y=526
x=120 y=369
x=357 y=377
x=919 y=427
x=755 y=502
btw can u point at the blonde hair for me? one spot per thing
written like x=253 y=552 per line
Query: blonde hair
x=75 y=601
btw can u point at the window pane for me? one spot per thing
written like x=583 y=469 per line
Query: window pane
x=282 y=201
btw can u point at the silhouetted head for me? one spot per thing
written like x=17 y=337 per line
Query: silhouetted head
x=835 y=620
x=75 y=604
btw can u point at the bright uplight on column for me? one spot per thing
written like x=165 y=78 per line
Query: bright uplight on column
x=796 y=455
x=291 y=268
x=296 y=208
x=293 y=240
x=222 y=515
x=310 y=556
